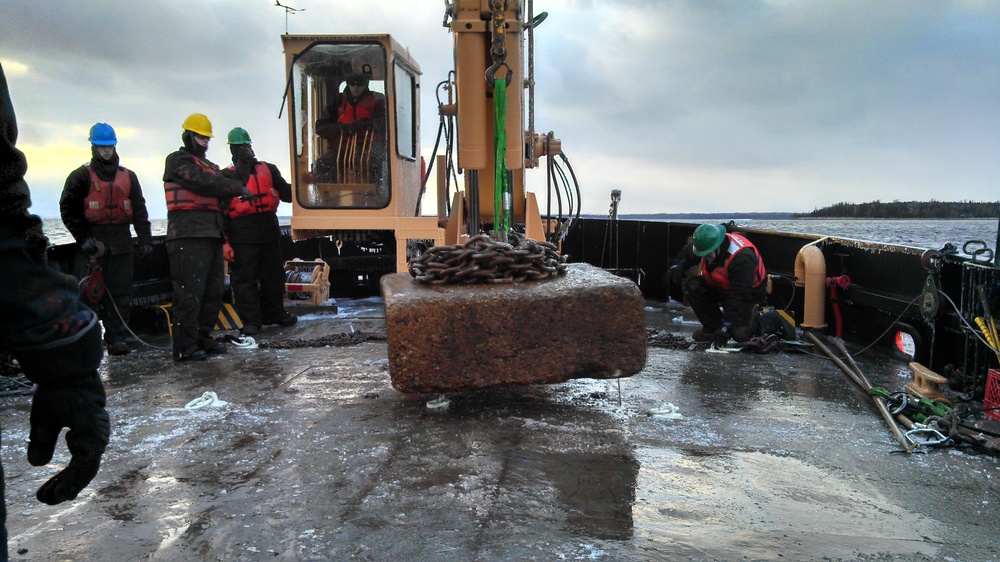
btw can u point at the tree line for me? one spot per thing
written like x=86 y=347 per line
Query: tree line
x=907 y=210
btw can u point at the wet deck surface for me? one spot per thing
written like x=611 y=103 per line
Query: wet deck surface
x=316 y=457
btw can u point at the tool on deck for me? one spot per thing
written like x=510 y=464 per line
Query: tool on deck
x=858 y=377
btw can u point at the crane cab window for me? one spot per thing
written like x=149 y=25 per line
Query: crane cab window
x=340 y=126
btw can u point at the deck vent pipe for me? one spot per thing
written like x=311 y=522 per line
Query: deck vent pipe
x=810 y=272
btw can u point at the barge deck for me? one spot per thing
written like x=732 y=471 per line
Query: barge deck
x=314 y=456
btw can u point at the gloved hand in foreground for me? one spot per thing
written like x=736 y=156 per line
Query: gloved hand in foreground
x=245 y=194
x=722 y=337
x=79 y=406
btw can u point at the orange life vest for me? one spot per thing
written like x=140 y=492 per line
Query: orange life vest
x=108 y=202
x=364 y=109
x=265 y=197
x=719 y=277
x=180 y=199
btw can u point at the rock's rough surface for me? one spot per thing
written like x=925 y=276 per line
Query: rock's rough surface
x=586 y=324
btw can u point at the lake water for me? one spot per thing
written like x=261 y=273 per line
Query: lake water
x=917 y=233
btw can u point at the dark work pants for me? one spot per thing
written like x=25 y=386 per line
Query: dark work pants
x=707 y=302
x=258 y=279
x=197 y=276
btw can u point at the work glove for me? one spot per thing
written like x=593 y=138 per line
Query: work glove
x=245 y=194
x=227 y=252
x=676 y=273
x=363 y=124
x=78 y=405
x=145 y=250
x=327 y=130
x=35 y=241
x=89 y=246
x=722 y=337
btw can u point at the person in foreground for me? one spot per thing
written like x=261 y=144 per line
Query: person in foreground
x=254 y=238
x=99 y=201
x=55 y=339
x=731 y=284
x=197 y=198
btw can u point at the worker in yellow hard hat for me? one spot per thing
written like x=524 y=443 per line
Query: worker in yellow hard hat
x=197 y=198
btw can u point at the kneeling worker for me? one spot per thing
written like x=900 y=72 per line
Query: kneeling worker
x=731 y=284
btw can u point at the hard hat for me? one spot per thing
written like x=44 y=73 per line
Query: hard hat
x=239 y=135
x=198 y=123
x=101 y=134
x=360 y=79
x=707 y=238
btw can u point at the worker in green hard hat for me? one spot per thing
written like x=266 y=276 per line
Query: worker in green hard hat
x=729 y=286
x=254 y=238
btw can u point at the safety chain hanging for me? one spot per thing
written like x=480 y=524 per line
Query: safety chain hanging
x=484 y=260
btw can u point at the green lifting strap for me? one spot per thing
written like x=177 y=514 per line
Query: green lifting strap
x=501 y=185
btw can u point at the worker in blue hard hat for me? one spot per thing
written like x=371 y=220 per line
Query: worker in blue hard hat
x=730 y=283
x=100 y=201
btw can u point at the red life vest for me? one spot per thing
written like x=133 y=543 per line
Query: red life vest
x=265 y=197
x=364 y=109
x=108 y=202
x=180 y=199
x=719 y=277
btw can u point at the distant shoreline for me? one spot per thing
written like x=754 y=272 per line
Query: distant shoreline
x=767 y=216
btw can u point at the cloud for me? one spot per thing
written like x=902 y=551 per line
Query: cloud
x=687 y=106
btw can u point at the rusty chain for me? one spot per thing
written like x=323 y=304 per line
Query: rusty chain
x=484 y=260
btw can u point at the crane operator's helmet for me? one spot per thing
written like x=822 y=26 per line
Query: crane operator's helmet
x=358 y=79
x=199 y=124
x=101 y=134
x=707 y=238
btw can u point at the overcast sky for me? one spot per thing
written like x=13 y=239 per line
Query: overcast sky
x=686 y=106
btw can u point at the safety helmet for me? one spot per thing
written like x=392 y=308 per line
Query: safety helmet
x=360 y=79
x=198 y=123
x=707 y=238
x=101 y=134
x=239 y=135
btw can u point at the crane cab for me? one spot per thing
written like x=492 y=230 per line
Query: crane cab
x=353 y=111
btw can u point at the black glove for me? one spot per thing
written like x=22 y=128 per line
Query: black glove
x=245 y=194
x=722 y=336
x=34 y=239
x=145 y=250
x=89 y=246
x=79 y=406
x=363 y=124
x=676 y=273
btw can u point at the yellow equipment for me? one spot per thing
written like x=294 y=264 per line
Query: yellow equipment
x=361 y=184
